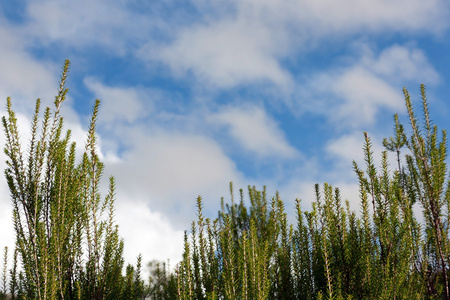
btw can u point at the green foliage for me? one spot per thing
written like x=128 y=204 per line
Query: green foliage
x=381 y=253
x=68 y=246
x=67 y=243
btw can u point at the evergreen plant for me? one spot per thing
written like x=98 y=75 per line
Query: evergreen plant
x=383 y=252
x=68 y=246
x=67 y=243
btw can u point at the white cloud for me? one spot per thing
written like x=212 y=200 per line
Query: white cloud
x=21 y=76
x=117 y=104
x=83 y=23
x=225 y=54
x=348 y=97
x=231 y=43
x=363 y=94
x=169 y=170
x=354 y=16
x=25 y=78
x=103 y=21
x=353 y=95
x=347 y=148
x=147 y=233
x=399 y=63
x=255 y=131
x=326 y=17
x=247 y=44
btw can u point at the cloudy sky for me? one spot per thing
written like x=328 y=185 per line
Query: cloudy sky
x=197 y=93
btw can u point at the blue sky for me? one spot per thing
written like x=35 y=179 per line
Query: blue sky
x=196 y=94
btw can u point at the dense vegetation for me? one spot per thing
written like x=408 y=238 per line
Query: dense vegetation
x=68 y=247
x=331 y=252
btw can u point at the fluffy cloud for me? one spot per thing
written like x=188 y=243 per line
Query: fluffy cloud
x=83 y=24
x=229 y=43
x=248 y=43
x=255 y=131
x=147 y=232
x=363 y=94
x=169 y=170
x=401 y=63
x=118 y=104
x=349 y=147
x=225 y=54
x=355 y=16
x=21 y=76
x=352 y=95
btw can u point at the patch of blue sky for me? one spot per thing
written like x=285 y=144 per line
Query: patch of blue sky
x=14 y=11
